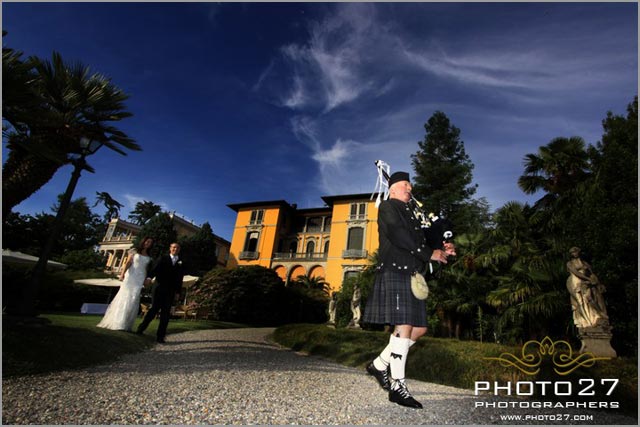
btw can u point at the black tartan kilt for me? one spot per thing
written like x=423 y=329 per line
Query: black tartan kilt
x=392 y=303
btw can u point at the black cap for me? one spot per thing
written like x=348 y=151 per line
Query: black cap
x=397 y=177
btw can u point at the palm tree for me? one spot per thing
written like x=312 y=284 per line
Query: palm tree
x=112 y=205
x=313 y=283
x=18 y=97
x=460 y=293
x=530 y=288
x=144 y=211
x=557 y=169
x=72 y=104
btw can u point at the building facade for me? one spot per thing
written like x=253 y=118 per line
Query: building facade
x=333 y=242
x=120 y=236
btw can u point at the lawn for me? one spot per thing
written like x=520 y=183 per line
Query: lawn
x=71 y=341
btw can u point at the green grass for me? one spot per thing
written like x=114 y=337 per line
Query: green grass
x=452 y=362
x=72 y=341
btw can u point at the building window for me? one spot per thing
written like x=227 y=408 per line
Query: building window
x=355 y=244
x=358 y=211
x=299 y=225
x=251 y=243
x=110 y=230
x=314 y=224
x=355 y=239
x=311 y=247
x=257 y=217
x=293 y=247
x=327 y=224
x=326 y=247
x=250 y=246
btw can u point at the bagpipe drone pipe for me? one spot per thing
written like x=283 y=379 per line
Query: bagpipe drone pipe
x=437 y=230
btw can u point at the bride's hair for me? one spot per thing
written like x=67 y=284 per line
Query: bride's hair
x=140 y=246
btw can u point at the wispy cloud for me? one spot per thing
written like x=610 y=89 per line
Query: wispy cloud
x=362 y=86
x=132 y=200
x=329 y=69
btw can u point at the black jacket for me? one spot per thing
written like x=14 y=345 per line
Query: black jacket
x=402 y=243
x=168 y=276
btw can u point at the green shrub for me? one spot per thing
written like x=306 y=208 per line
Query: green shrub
x=84 y=259
x=57 y=291
x=257 y=295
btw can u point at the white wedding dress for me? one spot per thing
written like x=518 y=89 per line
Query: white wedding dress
x=123 y=310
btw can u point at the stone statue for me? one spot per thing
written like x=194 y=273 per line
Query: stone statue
x=355 y=308
x=586 y=293
x=588 y=306
x=333 y=308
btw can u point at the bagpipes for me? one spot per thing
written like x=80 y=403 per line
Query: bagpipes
x=437 y=230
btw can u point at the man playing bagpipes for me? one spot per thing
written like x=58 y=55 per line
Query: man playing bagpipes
x=405 y=250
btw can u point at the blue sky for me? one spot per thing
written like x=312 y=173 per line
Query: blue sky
x=240 y=102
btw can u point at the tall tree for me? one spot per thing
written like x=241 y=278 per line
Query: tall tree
x=144 y=211
x=160 y=228
x=71 y=104
x=603 y=222
x=82 y=230
x=443 y=172
x=200 y=250
x=111 y=205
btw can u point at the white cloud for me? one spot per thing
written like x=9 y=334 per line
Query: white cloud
x=132 y=200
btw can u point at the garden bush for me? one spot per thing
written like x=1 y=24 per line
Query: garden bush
x=57 y=291
x=256 y=295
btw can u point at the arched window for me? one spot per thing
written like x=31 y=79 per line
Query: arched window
x=326 y=247
x=311 y=247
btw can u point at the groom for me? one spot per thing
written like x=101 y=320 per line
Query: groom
x=168 y=271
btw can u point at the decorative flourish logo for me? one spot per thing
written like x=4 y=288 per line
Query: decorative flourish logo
x=560 y=352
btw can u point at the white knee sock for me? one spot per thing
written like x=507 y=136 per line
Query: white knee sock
x=399 y=351
x=382 y=361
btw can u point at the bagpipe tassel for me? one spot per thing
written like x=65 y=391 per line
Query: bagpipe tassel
x=382 y=184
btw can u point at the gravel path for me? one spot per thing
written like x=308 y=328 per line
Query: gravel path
x=236 y=376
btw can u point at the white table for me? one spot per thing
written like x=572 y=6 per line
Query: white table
x=91 y=308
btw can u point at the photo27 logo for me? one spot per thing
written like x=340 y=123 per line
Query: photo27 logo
x=564 y=360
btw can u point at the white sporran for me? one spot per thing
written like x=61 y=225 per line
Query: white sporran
x=419 y=286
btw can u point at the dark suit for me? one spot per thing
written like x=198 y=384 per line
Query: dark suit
x=168 y=283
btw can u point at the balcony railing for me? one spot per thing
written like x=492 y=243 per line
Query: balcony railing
x=300 y=255
x=119 y=238
x=357 y=216
x=354 y=253
x=248 y=255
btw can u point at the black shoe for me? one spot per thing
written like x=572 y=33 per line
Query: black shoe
x=161 y=341
x=401 y=396
x=381 y=376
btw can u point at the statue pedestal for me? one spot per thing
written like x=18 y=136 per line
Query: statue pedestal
x=353 y=325
x=596 y=340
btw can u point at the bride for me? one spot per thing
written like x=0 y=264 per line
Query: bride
x=123 y=310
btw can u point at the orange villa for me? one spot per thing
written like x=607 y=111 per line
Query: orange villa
x=333 y=242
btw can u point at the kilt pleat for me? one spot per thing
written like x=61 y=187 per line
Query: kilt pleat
x=391 y=301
